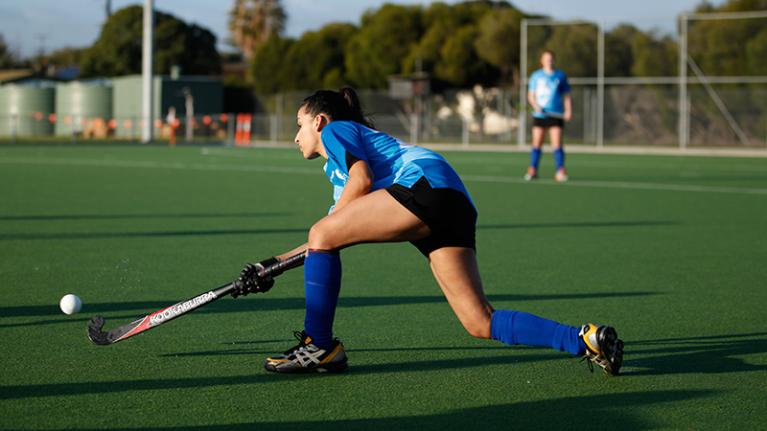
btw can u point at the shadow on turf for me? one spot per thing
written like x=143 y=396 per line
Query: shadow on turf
x=578 y=224
x=712 y=354
x=357 y=369
x=261 y=303
x=707 y=355
x=605 y=411
x=102 y=235
x=258 y=376
x=59 y=217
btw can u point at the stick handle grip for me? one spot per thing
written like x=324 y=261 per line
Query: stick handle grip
x=292 y=262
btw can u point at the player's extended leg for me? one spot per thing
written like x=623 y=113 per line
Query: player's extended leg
x=375 y=217
x=456 y=272
x=535 y=153
x=555 y=134
x=455 y=269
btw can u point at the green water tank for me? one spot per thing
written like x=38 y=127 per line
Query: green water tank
x=207 y=94
x=84 y=108
x=26 y=108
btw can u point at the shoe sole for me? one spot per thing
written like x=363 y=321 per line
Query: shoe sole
x=612 y=349
x=326 y=368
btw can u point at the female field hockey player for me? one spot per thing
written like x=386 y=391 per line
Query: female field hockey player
x=386 y=191
x=548 y=93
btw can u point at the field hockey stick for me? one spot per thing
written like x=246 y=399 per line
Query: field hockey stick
x=556 y=115
x=102 y=338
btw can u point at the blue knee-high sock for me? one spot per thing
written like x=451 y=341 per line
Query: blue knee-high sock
x=322 y=282
x=535 y=157
x=517 y=327
x=559 y=158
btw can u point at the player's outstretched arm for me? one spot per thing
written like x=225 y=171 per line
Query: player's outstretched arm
x=253 y=277
x=259 y=277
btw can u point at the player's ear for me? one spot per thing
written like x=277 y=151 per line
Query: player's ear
x=320 y=121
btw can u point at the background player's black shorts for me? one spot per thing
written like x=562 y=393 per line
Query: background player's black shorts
x=548 y=122
x=448 y=213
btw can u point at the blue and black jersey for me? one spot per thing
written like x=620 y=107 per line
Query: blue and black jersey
x=549 y=89
x=390 y=160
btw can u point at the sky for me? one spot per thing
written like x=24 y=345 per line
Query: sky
x=31 y=25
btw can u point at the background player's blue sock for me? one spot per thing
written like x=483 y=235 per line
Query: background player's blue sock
x=559 y=158
x=322 y=282
x=535 y=157
x=517 y=327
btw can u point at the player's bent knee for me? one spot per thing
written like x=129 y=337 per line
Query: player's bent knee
x=478 y=329
x=321 y=237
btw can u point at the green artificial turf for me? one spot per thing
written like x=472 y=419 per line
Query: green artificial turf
x=669 y=250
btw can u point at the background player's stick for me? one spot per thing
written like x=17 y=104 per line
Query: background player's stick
x=102 y=338
x=553 y=114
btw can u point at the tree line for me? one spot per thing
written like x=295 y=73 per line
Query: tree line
x=457 y=45
x=477 y=42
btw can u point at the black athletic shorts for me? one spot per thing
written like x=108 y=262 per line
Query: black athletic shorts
x=448 y=213
x=548 y=122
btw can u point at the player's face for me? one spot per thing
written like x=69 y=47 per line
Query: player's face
x=547 y=61
x=308 y=135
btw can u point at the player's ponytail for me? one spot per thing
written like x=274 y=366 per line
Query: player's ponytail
x=355 y=108
x=343 y=105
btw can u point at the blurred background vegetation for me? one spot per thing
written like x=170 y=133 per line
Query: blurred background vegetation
x=457 y=45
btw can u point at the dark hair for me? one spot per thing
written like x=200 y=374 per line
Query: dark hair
x=342 y=105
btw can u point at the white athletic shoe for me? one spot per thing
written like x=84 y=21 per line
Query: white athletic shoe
x=531 y=174
x=308 y=358
x=561 y=176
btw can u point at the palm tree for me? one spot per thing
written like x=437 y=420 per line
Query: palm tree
x=252 y=22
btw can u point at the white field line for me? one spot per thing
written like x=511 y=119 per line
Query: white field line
x=243 y=153
x=624 y=164
x=318 y=171
x=157 y=165
x=574 y=148
x=484 y=158
x=621 y=185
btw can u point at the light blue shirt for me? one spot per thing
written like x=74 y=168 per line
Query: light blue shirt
x=390 y=160
x=549 y=90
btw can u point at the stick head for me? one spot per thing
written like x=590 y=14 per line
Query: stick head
x=96 y=335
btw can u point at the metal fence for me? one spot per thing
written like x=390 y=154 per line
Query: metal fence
x=634 y=112
x=52 y=127
x=637 y=113
x=692 y=109
x=688 y=110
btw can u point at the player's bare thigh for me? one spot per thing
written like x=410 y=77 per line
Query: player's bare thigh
x=375 y=217
x=538 y=134
x=456 y=271
x=555 y=135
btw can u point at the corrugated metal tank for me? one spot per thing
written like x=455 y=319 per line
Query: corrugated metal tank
x=208 y=99
x=84 y=108
x=25 y=109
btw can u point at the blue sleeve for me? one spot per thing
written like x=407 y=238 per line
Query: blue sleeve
x=565 y=84
x=340 y=138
